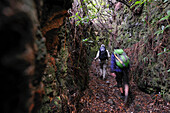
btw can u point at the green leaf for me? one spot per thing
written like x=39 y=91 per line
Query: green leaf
x=167 y=51
x=164 y=18
x=77 y=14
x=90 y=41
x=168 y=12
x=137 y=2
x=77 y=23
x=158 y=32
x=168 y=70
x=165 y=1
x=71 y=17
x=88 y=20
x=56 y=103
x=85 y=40
x=107 y=5
x=79 y=17
x=59 y=98
x=130 y=1
x=164 y=49
x=167 y=26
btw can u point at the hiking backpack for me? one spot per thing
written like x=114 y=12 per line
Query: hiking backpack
x=122 y=60
x=103 y=53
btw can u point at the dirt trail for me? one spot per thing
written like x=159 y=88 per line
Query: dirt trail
x=103 y=97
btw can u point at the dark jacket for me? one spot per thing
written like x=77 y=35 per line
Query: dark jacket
x=113 y=66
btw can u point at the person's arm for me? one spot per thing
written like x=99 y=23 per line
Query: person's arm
x=108 y=54
x=112 y=66
x=97 y=55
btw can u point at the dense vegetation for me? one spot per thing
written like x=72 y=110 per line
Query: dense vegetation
x=140 y=27
x=48 y=47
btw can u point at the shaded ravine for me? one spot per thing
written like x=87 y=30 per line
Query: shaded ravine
x=103 y=97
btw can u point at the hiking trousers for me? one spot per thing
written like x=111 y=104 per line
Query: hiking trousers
x=122 y=78
x=103 y=66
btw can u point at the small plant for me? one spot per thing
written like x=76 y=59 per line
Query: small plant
x=165 y=51
x=138 y=3
x=163 y=27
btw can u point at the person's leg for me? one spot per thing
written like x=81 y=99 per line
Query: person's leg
x=126 y=83
x=104 y=70
x=101 y=68
x=119 y=82
x=126 y=92
x=101 y=72
x=121 y=87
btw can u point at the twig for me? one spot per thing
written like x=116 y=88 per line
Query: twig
x=124 y=3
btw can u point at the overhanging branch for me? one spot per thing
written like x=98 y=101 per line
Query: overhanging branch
x=125 y=3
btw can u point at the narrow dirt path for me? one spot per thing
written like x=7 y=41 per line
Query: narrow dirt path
x=103 y=97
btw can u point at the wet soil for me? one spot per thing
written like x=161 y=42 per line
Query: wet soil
x=103 y=97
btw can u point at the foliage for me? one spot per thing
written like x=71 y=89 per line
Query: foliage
x=146 y=34
x=151 y=48
x=98 y=14
x=164 y=27
x=165 y=51
x=81 y=20
x=138 y=3
x=93 y=22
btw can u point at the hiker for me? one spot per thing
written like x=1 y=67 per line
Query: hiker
x=119 y=70
x=103 y=55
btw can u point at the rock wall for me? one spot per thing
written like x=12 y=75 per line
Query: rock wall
x=66 y=74
x=43 y=63
x=21 y=60
x=141 y=31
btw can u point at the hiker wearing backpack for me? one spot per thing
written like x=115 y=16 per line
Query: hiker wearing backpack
x=103 y=55
x=120 y=69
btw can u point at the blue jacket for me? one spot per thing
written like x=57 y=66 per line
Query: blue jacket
x=113 y=66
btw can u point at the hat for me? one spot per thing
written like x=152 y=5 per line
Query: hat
x=102 y=45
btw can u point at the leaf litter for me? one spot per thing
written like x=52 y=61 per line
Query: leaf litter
x=102 y=97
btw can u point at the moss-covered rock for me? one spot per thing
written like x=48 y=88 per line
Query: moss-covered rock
x=139 y=34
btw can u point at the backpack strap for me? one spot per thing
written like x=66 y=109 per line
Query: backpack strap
x=119 y=59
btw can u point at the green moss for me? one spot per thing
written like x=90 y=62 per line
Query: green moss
x=150 y=71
